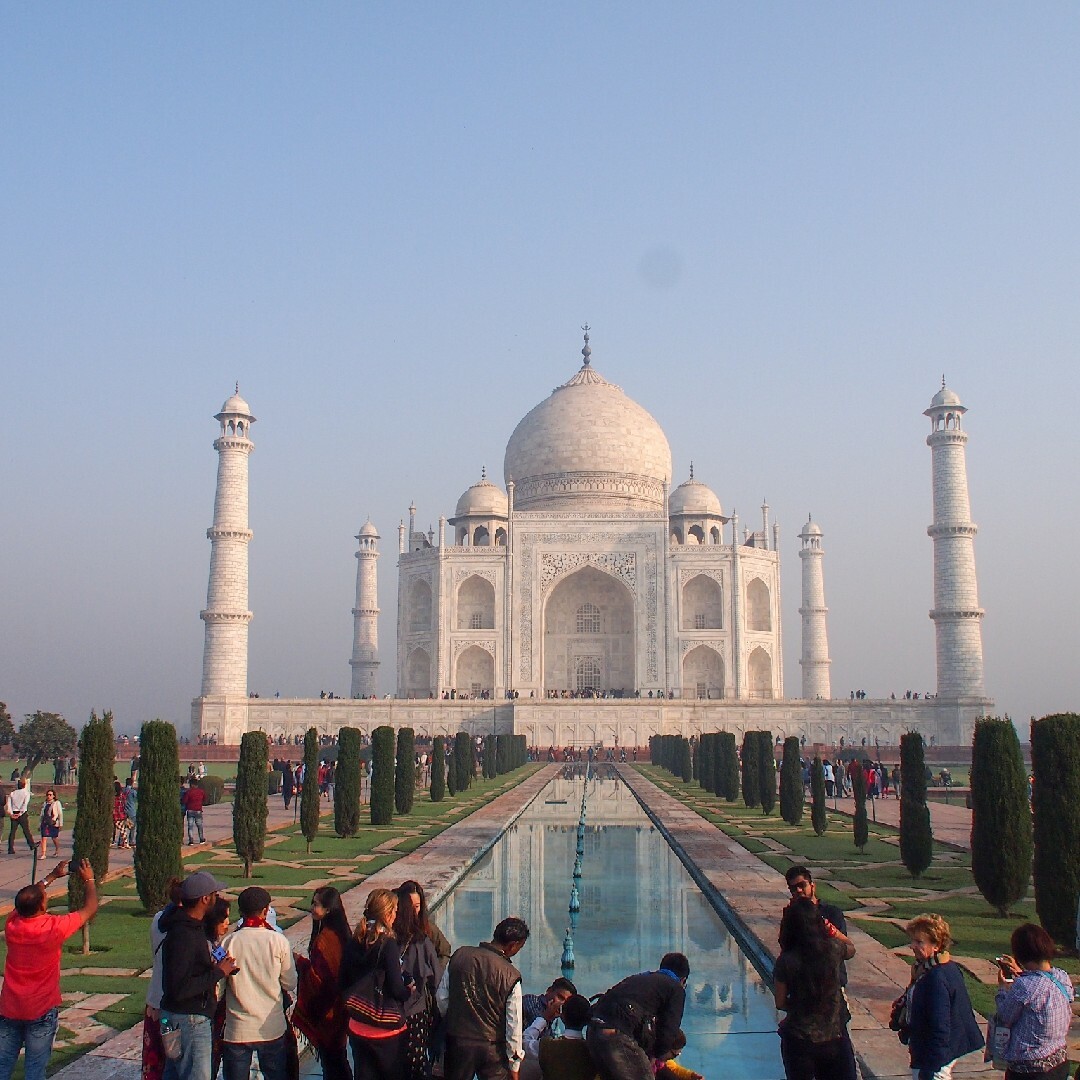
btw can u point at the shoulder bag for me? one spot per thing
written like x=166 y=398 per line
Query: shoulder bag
x=367 y=1001
x=998 y=1034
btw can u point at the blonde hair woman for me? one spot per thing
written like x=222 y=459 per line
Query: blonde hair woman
x=377 y=1053
x=941 y=1027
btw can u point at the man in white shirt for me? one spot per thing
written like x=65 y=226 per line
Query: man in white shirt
x=254 y=1003
x=17 y=806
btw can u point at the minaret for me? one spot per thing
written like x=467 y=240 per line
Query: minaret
x=815 y=641
x=225 y=652
x=365 y=652
x=956 y=613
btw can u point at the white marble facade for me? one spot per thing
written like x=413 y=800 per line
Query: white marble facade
x=585 y=575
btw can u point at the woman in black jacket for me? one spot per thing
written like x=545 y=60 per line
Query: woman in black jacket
x=814 y=1040
x=378 y=1053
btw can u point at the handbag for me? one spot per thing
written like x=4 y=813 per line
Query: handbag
x=898 y=1018
x=171 y=1040
x=367 y=1001
x=997 y=1042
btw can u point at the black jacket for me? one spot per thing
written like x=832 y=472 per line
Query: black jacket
x=188 y=974
x=647 y=1007
x=360 y=959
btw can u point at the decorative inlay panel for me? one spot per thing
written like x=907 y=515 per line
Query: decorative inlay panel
x=621 y=565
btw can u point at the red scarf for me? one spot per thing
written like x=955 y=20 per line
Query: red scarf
x=256 y=920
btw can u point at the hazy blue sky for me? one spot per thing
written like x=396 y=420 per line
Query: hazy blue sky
x=783 y=222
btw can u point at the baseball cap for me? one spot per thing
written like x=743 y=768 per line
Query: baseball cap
x=200 y=884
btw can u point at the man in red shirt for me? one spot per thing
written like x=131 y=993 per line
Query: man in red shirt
x=30 y=998
x=194 y=798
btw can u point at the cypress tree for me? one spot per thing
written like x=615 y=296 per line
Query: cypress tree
x=452 y=786
x=438 y=769
x=686 y=768
x=703 y=762
x=489 y=757
x=860 y=824
x=347 y=783
x=916 y=837
x=695 y=754
x=729 y=764
x=502 y=754
x=751 y=772
x=309 y=799
x=382 y=782
x=766 y=772
x=405 y=771
x=249 y=799
x=791 y=785
x=1001 y=844
x=92 y=836
x=158 y=825
x=818 y=818
x=1055 y=761
x=463 y=751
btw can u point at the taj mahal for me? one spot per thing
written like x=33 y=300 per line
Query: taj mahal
x=588 y=601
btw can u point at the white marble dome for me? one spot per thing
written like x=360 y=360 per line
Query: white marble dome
x=368 y=529
x=235 y=406
x=945 y=397
x=694 y=498
x=588 y=445
x=483 y=499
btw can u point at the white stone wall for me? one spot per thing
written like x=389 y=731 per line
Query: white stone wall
x=582 y=723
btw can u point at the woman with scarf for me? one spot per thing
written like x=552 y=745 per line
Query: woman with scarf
x=420 y=960
x=319 y=1013
x=814 y=1041
x=378 y=1054
x=940 y=1023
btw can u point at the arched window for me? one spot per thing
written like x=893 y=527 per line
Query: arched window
x=476 y=604
x=500 y=537
x=702 y=604
x=759 y=608
x=695 y=535
x=481 y=537
x=587 y=673
x=588 y=619
x=420 y=606
x=714 y=534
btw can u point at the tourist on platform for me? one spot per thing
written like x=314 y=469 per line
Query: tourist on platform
x=17 y=808
x=567 y=1057
x=255 y=1019
x=1034 y=1001
x=216 y=925
x=671 y=1069
x=636 y=1022
x=801 y=885
x=288 y=785
x=30 y=997
x=480 y=996
x=941 y=1027
x=131 y=809
x=377 y=1054
x=420 y=960
x=52 y=821
x=534 y=1006
x=194 y=800
x=119 y=815
x=814 y=1042
x=320 y=1013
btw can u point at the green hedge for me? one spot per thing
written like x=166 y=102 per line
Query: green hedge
x=214 y=787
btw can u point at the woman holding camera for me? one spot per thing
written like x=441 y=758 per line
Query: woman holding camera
x=1034 y=1001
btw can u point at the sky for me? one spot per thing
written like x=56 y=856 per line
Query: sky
x=388 y=222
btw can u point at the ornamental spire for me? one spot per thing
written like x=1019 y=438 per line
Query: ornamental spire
x=586 y=351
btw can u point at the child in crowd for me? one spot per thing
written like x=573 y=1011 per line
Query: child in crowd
x=670 y=1069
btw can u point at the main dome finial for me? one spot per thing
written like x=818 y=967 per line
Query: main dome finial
x=586 y=352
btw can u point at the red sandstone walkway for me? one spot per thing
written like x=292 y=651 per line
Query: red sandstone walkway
x=951 y=822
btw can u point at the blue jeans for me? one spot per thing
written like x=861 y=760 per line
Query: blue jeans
x=194 y=820
x=195 y=1046
x=236 y=1059
x=36 y=1035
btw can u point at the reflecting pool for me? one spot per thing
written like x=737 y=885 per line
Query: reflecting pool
x=636 y=902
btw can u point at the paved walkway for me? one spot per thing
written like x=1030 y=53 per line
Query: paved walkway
x=951 y=822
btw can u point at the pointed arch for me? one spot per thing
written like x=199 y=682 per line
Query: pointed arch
x=702 y=604
x=759 y=672
x=703 y=673
x=758 y=606
x=476 y=604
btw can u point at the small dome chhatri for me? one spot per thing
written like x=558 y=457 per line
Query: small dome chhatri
x=588 y=445
x=483 y=499
x=945 y=398
x=367 y=529
x=694 y=498
x=235 y=406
